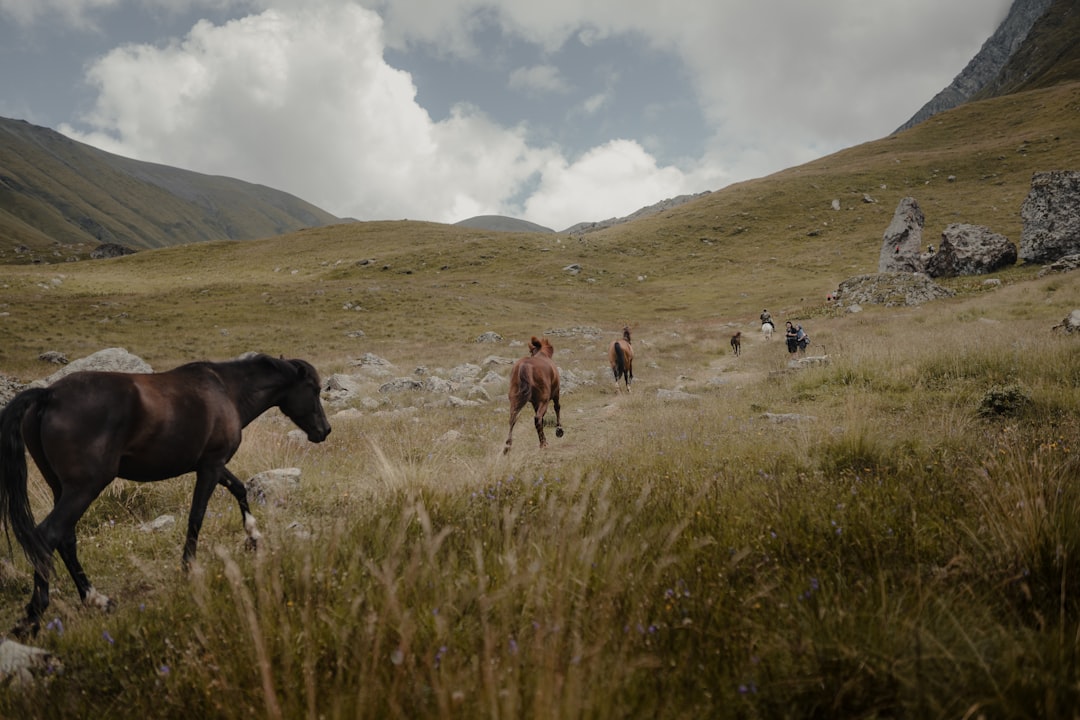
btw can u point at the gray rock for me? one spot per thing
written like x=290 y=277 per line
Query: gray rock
x=107 y=360
x=1051 y=217
x=901 y=245
x=970 y=250
x=889 y=289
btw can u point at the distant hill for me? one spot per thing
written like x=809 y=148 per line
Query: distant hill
x=588 y=227
x=502 y=223
x=54 y=190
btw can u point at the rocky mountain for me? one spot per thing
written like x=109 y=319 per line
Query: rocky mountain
x=986 y=67
x=56 y=192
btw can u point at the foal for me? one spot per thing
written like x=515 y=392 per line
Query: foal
x=736 y=342
x=535 y=379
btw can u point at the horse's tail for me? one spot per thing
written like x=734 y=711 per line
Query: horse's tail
x=14 y=499
x=620 y=361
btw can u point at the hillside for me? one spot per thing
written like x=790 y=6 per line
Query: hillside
x=55 y=191
x=772 y=242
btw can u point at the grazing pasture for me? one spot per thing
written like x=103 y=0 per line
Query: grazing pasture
x=864 y=538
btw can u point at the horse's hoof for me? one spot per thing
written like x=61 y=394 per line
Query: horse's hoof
x=25 y=629
x=251 y=544
x=558 y=432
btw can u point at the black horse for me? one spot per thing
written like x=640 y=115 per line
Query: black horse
x=91 y=427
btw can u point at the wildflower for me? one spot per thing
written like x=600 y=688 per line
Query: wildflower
x=513 y=646
x=163 y=670
x=108 y=638
x=56 y=625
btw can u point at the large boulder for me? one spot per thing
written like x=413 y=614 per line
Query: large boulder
x=108 y=360
x=889 y=289
x=1051 y=216
x=902 y=243
x=970 y=250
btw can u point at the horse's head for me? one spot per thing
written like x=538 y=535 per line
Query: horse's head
x=543 y=346
x=626 y=333
x=302 y=403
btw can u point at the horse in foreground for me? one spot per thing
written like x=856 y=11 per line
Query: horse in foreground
x=736 y=343
x=91 y=427
x=535 y=379
x=621 y=358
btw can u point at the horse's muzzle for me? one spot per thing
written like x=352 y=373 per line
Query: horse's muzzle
x=317 y=435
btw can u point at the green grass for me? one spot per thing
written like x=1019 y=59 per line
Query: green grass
x=855 y=539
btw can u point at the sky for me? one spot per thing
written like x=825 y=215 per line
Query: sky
x=551 y=111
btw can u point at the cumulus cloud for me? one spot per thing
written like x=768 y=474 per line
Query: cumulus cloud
x=299 y=95
x=305 y=103
x=619 y=174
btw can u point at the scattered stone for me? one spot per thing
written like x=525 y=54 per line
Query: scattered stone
x=788 y=417
x=273 y=485
x=573 y=268
x=400 y=385
x=161 y=522
x=675 y=395
x=1061 y=265
x=489 y=337
x=809 y=361
x=53 y=356
x=20 y=663
x=1070 y=324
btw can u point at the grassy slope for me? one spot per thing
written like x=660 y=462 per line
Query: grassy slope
x=663 y=558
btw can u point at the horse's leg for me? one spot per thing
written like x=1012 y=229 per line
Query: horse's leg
x=558 y=420
x=206 y=479
x=234 y=486
x=538 y=421
x=515 y=408
x=89 y=595
x=57 y=532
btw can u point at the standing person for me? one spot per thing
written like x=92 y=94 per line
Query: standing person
x=801 y=339
x=792 y=337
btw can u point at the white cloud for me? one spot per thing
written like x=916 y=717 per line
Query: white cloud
x=299 y=95
x=613 y=180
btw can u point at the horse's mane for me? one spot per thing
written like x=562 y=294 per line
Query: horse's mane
x=540 y=345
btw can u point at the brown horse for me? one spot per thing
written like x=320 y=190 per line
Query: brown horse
x=535 y=379
x=621 y=358
x=736 y=342
x=90 y=427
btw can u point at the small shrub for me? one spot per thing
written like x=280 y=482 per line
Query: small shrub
x=1004 y=401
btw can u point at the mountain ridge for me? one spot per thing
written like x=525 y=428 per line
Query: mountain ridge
x=58 y=191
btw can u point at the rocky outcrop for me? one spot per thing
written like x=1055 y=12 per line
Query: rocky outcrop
x=889 y=289
x=1051 y=217
x=110 y=250
x=902 y=243
x=970 y=250
x=984 y=68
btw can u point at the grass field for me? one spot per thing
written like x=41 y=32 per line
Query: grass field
x=889 y=534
